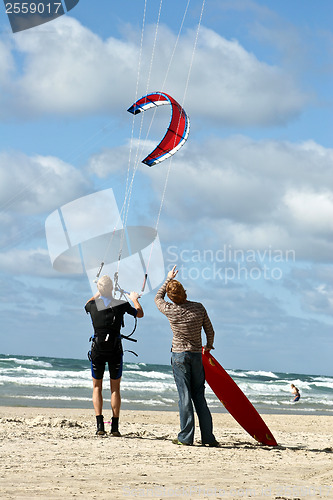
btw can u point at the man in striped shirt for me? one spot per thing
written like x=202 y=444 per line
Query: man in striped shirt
x=187 y=320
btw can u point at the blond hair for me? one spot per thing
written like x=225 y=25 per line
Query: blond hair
x=105 y=286
x=176 y=292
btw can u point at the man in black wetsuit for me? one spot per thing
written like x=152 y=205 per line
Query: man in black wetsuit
x=107 y=316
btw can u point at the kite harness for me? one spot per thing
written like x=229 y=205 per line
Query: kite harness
x=122 y=292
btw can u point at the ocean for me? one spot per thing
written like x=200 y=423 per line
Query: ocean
x=66 y=383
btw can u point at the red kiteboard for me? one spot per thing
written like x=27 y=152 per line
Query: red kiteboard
x=235 y=401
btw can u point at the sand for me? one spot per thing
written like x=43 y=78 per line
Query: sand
x=54 y=454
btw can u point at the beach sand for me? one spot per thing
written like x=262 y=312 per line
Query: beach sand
x=55 y=454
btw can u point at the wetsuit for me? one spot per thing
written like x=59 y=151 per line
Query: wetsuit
x=107 y=318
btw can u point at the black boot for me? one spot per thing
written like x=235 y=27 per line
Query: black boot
x=114 y=427
x=100 y=425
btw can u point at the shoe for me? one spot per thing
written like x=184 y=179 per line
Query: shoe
x=176 y=441
x=100 y=425
x=214 y=444
x=115 y=434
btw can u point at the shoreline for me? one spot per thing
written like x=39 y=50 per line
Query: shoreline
x=297 y=411
x=65 y=383
x=54 y=452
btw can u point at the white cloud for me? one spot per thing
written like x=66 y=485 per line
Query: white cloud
x=231 y=85
x=314 y=285
x=109 y=162
x=313 y=211
x=18 y=230
x=36 y=184
x=31 y=262
x=252 y=194
x=7 y=63
x=72 y=70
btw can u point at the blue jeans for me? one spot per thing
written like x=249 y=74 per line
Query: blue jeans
x=189 y=376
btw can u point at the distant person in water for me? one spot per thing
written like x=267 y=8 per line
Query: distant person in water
x=296 y=393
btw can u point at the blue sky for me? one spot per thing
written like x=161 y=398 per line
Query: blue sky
x=248 y=209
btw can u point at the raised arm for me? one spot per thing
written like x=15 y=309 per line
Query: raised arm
x=134 y=297
x=159 y=298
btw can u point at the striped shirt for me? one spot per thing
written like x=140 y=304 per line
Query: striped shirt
x=186 y=321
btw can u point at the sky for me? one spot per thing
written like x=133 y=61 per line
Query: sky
x=244 y=209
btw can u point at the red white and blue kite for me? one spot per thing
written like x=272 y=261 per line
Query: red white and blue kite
x=177 y=132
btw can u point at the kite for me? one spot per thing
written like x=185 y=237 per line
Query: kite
x=177 y=132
